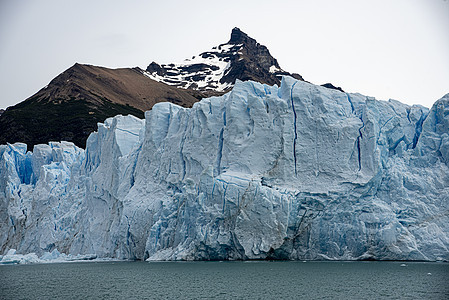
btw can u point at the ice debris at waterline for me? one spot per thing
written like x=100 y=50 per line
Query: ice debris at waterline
x=295 y=172
x=48 y=257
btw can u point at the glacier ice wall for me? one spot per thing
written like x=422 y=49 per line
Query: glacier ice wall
x=291 y=172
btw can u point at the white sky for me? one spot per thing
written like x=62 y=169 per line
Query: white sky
x=395 y=49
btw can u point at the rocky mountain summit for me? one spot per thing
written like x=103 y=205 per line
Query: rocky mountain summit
x=242 y=57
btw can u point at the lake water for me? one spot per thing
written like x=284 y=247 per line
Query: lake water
x=226 y=280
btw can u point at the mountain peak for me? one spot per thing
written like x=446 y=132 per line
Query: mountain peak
x=216 y=71
x=239 y=37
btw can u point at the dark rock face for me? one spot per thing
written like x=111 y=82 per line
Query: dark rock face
x=331 y=86
x=253 y=62
x=242 y=57
x=155 y=68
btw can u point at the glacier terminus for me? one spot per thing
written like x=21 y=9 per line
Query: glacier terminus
x=263 y=172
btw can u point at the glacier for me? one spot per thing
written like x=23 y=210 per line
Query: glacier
x=263 y=172
x=11 y=257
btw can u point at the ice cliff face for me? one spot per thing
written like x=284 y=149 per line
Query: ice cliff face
x=295 y=172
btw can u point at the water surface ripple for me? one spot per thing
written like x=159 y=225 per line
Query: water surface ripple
x=226 y=280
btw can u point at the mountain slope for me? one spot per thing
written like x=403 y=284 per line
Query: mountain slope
x=72 y=104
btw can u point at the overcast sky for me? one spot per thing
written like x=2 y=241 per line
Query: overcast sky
x=395 y=49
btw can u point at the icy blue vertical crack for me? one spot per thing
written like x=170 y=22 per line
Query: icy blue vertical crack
x=295 y=127
x=132 y=179
x=350 y=102
x=128 y=234
x=182 y=157
x=436 y=122
x=418 y=129
x=220 y=146
x=408 y=109
x=359 y=153
x=169 y=117
x=220 y=152
x=266 y=90
x=12 y=223
x=359 y=156
x=23 y=166
x=254 y=90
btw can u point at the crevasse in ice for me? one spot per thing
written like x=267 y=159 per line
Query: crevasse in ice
x=291 y=172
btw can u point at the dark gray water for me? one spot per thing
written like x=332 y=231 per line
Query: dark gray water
x=226 y=280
